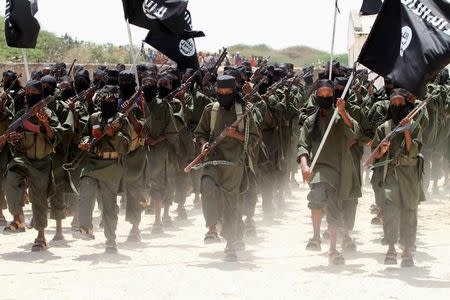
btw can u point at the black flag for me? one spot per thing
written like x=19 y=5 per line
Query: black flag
x=21 y=27
x=173 y=14
x=170 y=26
x=370 y=7
x=409 y=42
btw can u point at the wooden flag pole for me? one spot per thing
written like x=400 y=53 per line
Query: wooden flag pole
x=330 y=125
x=133 y=63
x=332 y=40
x=25 y=63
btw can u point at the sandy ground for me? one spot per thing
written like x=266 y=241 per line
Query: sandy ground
x=177 y=265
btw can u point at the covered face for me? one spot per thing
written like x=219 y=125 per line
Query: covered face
x=399 y=106
x=226 y=88
x=109 y=97
x=324 y=92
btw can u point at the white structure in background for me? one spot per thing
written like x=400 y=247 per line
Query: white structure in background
x=358 y=31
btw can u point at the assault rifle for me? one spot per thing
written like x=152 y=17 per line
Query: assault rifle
x=27 y=115
x=260 y=71
x=183 y=88
x=215 y=68
x=115 y=124
x=5 y=94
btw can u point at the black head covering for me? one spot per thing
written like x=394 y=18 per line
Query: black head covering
x=323 y=83
x=82 y=73
x=399 y=92
x=127 y=77
x=35 y=84
x=226 y=81
x=10 y=74
x=49 y=79
x=108 y=92
x=341 y=81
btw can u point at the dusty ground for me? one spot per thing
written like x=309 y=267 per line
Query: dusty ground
x=177 y=265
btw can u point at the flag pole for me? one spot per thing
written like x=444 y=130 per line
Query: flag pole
x=332 y=39
x=25 y=63
x=133 y=62
x=330 y=125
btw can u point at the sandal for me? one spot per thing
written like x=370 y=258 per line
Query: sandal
x=374 y=210
x=407 y=261
x=335 y=258
x=314 y=245
x=84 y=234
x=348 y=245
x=212 y=237
x=230 y=252
x=14 y=227
x=157 y=228
x=39 y=245
x=377 y=221
x=391 y=258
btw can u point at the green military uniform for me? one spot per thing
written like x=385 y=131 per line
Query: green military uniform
x=5 y=155
x=197 y=102
x=222 y=183
x=160 y=124
x=335 y=177
x=31 y=166
x=401 y=184
x=102 y=174
x=135 y=174
x=63 y=182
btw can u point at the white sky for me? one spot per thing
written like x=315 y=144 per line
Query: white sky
x=225 y=22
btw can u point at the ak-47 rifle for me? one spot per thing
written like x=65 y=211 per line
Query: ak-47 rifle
x=183 y=88
x=27 y=115
x=223 y=134
x=115 y=124
x=214 y=68
x=291 y=84
x=274 y=87
x=71 y=67
x=260 y=71
x=78 y=97
x=398 y=129
x=5 y=94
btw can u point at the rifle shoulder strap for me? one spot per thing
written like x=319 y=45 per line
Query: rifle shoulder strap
x=239 y=113
x=214 y=110
x=387 y=130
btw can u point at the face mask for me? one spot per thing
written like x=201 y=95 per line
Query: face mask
x=48 y=92
x=263 y=88
x=338 y=93
x=33 y=99
x=163 y=92
x=225 y=100
x=325 y=102
x=67 y=94
x=81 y=85
x=108 y=108
x=7 y=84
x=127 y=91
x=150 y=92
x=398 y=113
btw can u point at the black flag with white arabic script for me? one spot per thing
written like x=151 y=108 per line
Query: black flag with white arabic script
x=409 y=42
x=370 y=7
x=21 y=27
x=170 y=28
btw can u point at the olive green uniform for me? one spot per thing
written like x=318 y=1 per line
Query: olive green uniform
x=401 y=183
x=335 y=177
x=222 y=183
x=31 y=166
x=102 y=174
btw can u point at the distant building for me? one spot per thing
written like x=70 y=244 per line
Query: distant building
x=358 y=30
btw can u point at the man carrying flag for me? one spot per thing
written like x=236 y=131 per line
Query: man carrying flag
x=409 y=44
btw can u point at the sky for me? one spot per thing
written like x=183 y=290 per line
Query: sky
x=279 y=23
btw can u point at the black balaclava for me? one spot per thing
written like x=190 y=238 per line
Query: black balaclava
x=308 y=75
x=113 y=77
x=324 y=102
x=226 y=81
x=8 y=78
x=33 y=99
x=109 y=96
x=443 y=77
x=82 y=80
x=387 y=87
x=342 y=81
x=70 y=92
x=398 y=113
x=99 y=77
x=150 y=87
x=49 y=89
x=164 y=91
x=127 y=84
